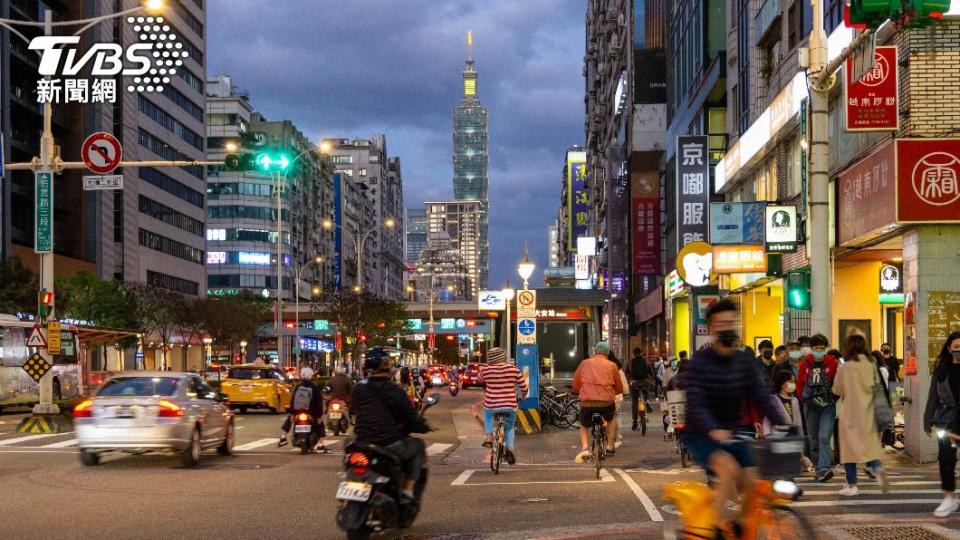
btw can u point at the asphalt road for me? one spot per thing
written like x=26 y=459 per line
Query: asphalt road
x=267 y=492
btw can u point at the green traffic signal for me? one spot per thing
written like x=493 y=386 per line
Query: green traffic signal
x=798 y=290
x=272 y=162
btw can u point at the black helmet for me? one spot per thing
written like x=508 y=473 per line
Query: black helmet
x=374 y=358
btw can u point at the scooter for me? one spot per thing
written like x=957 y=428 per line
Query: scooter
x=338 y=416
x=369 y=496
x=305 y=436
x=454 y=386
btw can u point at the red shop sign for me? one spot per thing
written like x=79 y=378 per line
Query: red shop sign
x=871 y=102
x=928 y=180
x=645 y=217
x=866 y=196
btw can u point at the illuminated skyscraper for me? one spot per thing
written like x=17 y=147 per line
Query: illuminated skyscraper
x=470 y=180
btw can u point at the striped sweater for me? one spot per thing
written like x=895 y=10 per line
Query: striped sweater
x=500 y=382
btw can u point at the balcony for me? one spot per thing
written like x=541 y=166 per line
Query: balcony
x=768 y=22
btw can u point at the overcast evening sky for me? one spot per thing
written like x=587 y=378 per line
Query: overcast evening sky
x=353 y=69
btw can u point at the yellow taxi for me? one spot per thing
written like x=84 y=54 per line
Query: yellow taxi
x=252 y=386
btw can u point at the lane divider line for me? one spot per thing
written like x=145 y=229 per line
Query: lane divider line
x=462 y=479
x=437 y=448
x=651 y=508
x=8 y=442
x=257 y=444
x=61 y=444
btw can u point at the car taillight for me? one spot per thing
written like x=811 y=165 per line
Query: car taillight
x=463 y=377
x=303 y=417
x=335 y=406
x=84 y=409
x=169 y=409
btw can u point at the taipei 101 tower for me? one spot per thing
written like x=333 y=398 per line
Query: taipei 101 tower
x=470 y=180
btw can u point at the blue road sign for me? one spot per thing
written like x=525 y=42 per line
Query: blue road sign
x=526 y=327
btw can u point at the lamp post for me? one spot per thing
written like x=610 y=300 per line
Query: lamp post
x=296 y=288
x=49 y=163
x=508 y=293
x=359 y=241
x=525 y=268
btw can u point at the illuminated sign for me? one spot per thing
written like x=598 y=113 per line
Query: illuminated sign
x=414 y=324
x=739 y=259
x=216 y=234
x=216 y=257
x=891 y=283
x=419 y=337
x=223 y=292
x=253 y=258
x=491 y=301
x=674 y=284
x=781 y=229
x=695 y=264
x=577 y=196
x=470 y=87
x=316 y=345
x=321 y=324
x=448 y=324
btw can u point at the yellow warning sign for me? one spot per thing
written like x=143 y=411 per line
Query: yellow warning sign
x=53 y=337
x=36 y=367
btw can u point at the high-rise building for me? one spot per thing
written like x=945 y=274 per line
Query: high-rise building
x=365 y=162
x=415 y=240
x=457 y=224
x=470 y=158
x=242 y=227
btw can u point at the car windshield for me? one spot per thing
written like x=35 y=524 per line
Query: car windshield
x=139 y=386
x=249 y=373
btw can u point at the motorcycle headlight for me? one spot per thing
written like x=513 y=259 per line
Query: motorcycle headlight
x=786 y=488
x=941 y=433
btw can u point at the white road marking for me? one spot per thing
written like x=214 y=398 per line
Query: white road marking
x=644 y=499
x=437 y=448
x=875 y=492
x=871 y=483
x=866 y=502
x=462 y=479
x=331 y=442
x=61 y=444
x=36 y=450
x=16 y=440
x=256 y=444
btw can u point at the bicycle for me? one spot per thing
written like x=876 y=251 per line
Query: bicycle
x=499 y=449
x=676 y=416
x=766 y=512
x=641 y=407
x=598 y=441
x=559 y=408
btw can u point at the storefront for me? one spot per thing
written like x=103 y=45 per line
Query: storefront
x=677 y=307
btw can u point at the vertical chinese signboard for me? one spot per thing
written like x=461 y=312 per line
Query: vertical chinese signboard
x=871 y=102
x=577 y=196
x=693 y=189
x=928 y=180
x=645 y=217
x=43 y=215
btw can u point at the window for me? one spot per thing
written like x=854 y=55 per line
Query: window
x=184 y=14
x=246 y=212
x=342 y=160
x=222 y=119
x=172 y=124
x=139 y=386
x=164 y=150
x=795 y=24
x=170 y=216
x=158 y=179
x=743 y=65
x=172 y=283
x=156 y=242
x=191 y=50
x=195 y=82
x=363 y=172
x=183 y=102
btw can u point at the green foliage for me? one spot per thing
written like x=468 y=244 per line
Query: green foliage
x=378 y=318
x=104 y=302
x=18 y=287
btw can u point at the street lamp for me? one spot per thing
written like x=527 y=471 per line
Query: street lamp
x=525 y=268
x=296 y=291
x=508 y=294
x=358 y=242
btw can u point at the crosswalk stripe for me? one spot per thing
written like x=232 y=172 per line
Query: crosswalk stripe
x=872 y=483
x=331 y=442
x=256 y=444
x=865 y=502
x=874 y=492
x=437 y=448
x=61 y=444
x=8 y=442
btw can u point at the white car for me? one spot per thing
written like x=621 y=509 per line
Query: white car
x=144 y=411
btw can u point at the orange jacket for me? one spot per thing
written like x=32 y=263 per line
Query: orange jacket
x=597 y=379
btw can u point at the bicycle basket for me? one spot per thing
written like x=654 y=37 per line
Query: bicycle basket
x=778 y=457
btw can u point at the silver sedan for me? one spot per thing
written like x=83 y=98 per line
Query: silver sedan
x=144 y=411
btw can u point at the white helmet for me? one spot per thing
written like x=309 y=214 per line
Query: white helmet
x=306 y=374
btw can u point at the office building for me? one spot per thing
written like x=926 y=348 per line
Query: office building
x=415 y=239
x=456 y=224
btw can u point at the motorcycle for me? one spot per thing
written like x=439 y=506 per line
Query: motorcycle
x=338 y=417
x=305 y=436
x=369 y=496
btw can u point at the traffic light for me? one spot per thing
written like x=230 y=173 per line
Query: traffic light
x=272 y=161
x=922 y=12
x=798 y=290
x=871 y=14
x=239 y=162
x=44 y=303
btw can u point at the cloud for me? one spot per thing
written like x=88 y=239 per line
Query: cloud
x=352 y=69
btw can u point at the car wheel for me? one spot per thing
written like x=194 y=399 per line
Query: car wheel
x=226 y=448
x=191 y=454
x=89 y=458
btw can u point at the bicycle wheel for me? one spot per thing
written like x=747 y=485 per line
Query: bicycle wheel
x=643 y=424
x=598 y=448
x=785 y=523
x=570 y=417
x=496 y=454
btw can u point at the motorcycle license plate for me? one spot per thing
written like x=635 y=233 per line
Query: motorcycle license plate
x=302 y=429
x=353 y=491
x=334 y=415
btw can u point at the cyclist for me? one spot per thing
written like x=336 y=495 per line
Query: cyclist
x=501 y=381
x=639 y=372
x=720 y=381
x=597 y=382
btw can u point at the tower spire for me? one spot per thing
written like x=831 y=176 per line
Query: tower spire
x=469 y=46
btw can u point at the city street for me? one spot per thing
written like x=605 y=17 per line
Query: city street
x=267 y=492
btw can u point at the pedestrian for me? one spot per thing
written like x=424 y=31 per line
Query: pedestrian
x=765 y=360
x=814 y=381
x=878 y=360
x=780 y=354
x=669 y=372
x=891 y=361
x=785 y=389
x=859 y=432
x=597 y=382
x=792 y=358
x=640 y=376
x=658 y=373
x=941 y=416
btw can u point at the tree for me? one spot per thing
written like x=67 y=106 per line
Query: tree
x=103 y=302
x=18 y=287
x=189 y=324
x=233 y=319
x=156 y=310
x=375 y=317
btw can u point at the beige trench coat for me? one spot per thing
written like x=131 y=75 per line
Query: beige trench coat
x=859 y=438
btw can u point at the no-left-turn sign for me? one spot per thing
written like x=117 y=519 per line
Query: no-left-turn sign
x=101 y=152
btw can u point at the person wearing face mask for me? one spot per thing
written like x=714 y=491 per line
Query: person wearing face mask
x=791 y=359
x=815 y=390
x=941 y=415
x=720 y=381
x=780 y=354
x=890 y=360
x=785 y=389
x=765 y=359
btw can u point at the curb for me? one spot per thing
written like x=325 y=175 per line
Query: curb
x=530 y=420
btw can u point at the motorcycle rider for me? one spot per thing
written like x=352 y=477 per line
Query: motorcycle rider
x=315 y=409
x=340 y=385
x=386 y=418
